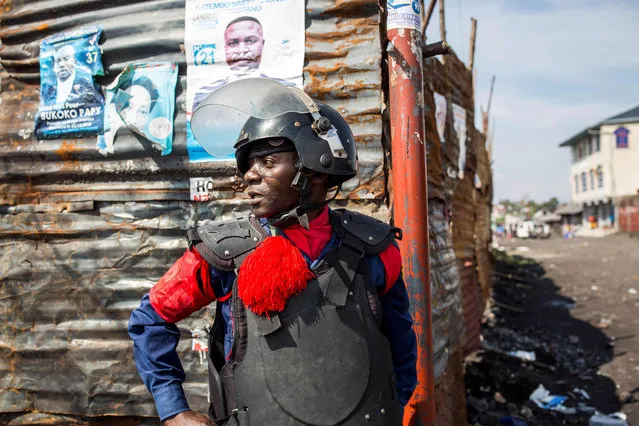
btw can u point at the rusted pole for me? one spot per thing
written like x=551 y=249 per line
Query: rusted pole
x=471 y=48
x=434 y=49
x=410 y=204
x=427 y=16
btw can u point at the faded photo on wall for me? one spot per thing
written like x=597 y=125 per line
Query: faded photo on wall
x=227 y=41
x=71 y=104
x=142 y=99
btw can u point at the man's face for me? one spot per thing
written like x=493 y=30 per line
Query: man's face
x=64 y=62
x=244 y=42
x=139 y=107
x=269 y=183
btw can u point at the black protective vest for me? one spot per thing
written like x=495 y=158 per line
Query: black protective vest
x=323 y=360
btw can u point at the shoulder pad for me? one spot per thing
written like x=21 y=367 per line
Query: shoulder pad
x=225 y=244
x=362 y=232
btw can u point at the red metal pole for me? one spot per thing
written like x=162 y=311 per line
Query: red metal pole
x=410 y=204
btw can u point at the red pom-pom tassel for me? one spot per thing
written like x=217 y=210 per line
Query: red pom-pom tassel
x=272 y=274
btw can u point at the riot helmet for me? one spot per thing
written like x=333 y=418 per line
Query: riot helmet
x=260 y=113
x=256 y=109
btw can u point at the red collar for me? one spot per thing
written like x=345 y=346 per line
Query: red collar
x=311 y=241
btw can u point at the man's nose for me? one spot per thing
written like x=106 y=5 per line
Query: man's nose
x=252 y=176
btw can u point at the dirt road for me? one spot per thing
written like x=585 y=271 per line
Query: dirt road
x=574 y=303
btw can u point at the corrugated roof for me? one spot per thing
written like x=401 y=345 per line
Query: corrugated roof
x=625 y=117
x=568 y=208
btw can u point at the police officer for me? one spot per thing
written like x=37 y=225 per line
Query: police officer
x=312 y=319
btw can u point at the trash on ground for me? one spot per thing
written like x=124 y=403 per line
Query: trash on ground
x=512 y=421
x=632 y=291
x=604 y=323
x=615 y=419
x=543 y=399
x=581 y=392
x=522 y=249
x=525 y=355
x=499 y=398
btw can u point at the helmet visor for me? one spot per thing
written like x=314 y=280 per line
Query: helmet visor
x=219 y=119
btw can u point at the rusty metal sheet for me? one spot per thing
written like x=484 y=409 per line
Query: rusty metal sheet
x=84 y=236
x=446 y=291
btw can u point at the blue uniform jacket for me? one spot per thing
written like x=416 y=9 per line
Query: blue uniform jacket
x=155 y=340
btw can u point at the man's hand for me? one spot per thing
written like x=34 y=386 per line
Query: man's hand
x=189 y=418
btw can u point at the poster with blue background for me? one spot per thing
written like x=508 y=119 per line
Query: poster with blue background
x=142 y=99
x=71 y=104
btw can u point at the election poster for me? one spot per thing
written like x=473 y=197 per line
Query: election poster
x=71 y=104
x=459 y=124
x=142 y=99
x=227 y=40
x=440 y=115
x=404 y=14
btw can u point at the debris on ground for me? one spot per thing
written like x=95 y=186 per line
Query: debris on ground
x=538 y=365
x=525 y=355
x=615 y=419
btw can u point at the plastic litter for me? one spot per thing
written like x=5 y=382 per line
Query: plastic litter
x=615 y=419
x=543 y=399
x=525 y=355
x=512 y=421
x=581 y=392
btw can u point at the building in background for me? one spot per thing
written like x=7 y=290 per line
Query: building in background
x=604 y=169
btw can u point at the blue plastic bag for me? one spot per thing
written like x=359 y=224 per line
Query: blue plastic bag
x=141 y=98
x=71 y=104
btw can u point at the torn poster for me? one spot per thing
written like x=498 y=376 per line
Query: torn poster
x=440 y=115
x=71 y=104
x=459 y=124
x=141 y=98
x=230 y=40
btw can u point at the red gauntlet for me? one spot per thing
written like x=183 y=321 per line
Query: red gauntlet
x=184 y=289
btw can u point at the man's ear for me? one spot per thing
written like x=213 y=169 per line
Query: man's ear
x=318 y=178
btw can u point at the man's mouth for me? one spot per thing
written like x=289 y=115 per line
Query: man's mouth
x=256 y=197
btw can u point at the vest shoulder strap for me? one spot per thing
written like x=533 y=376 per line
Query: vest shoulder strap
x=363 y=233
x=225 y=244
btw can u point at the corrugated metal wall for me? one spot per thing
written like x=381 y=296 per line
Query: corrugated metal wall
x=459 y=221
x=84 y=236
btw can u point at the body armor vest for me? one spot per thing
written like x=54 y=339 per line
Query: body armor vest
x=321 y=361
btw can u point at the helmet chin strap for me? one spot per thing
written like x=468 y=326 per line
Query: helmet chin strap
x=298 y=215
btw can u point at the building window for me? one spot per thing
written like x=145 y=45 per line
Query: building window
x=576 y=184
x=592 y=179
x=584 y=184
x=600 y=176
x=621 y=134
x=597 y=143
x=587 y=147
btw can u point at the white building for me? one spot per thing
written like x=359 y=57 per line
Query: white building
x=605 y=167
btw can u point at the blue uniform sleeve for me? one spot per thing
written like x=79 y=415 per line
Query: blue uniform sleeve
x=154 y=349
x=397 y=326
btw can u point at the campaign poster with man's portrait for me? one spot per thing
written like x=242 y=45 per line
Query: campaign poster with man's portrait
x=230 y=40
x=71 y=104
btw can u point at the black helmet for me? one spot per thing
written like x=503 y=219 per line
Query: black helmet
x=258 y=109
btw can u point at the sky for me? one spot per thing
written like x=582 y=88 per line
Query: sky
x=560 y=66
